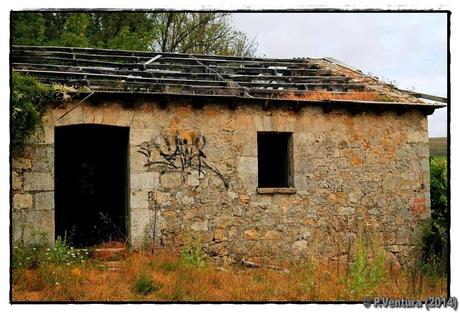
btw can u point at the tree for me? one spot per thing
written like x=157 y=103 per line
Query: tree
x=201 y=33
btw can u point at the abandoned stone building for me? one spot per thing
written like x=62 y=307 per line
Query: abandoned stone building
x=250 y=157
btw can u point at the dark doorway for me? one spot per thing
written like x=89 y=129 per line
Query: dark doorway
x=91 y=183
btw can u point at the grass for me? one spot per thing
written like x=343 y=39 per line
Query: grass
x=168 y=276
x=438 y=147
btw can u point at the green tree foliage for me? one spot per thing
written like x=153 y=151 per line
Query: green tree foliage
x=207 y=33
x=98 y=30
x=28 y=103
x=435 y=239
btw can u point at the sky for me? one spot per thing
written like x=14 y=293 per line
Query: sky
x=408 y=48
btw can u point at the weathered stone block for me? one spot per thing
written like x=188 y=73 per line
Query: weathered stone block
x=44 y=201
x=32 y=225
x=224 y=221
x=16 y=180
x=137 y=160
x=140 y=226
x=193 y=179
x=171 y=180
x=43 y=159
x=35 y=181
x=272 y=235
x=299 y=247
x=142 y=180
x=220 y=235
x=163 y=198
x=139 y=199
x=251 y=234
x=185 y=199
x=199 y=226
x=22 y=201
x=21 y=163
x=346 y=210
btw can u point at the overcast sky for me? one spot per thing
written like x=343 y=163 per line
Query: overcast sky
x=409 y=48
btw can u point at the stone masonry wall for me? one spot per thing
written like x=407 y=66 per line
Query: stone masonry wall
x=353 y=174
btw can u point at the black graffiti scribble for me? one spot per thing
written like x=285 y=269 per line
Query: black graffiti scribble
x=181 y=154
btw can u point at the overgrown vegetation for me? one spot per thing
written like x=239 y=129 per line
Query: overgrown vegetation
x=39 y=253
x=366 y=274
x=164 y=277
x=435 y=237
x=28 y=104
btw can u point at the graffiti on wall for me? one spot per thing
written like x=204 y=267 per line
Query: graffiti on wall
x=179 y=151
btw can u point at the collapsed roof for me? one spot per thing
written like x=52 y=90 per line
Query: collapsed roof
x=122 y=71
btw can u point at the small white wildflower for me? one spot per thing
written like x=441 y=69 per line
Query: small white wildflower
x=68 y=263
x=56 y=283
x=48 y=249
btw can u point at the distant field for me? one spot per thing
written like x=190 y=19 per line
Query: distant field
x=438 y=146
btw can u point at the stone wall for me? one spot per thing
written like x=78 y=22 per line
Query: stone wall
x=353 y=174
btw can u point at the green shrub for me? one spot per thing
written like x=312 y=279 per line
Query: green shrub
x=145 y=285
x=435 y=240
x=28 y=104
x=192 y=256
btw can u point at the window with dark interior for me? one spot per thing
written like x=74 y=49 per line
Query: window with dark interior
x=274 y=150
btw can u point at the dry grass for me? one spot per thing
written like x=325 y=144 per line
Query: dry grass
x=175 y=281
x=324 y=95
